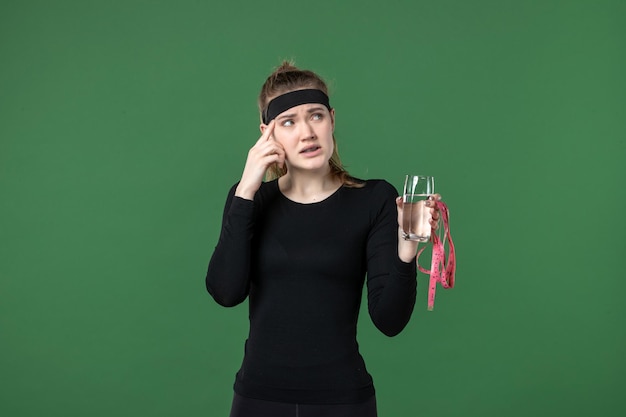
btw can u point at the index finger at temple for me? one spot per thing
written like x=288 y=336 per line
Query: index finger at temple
x=268 y=131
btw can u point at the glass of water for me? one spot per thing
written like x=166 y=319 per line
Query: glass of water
x=415 y=215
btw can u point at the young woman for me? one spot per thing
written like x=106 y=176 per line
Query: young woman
x=299 y=246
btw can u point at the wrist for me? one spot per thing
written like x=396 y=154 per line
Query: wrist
x=407 y=249
x=245 y=192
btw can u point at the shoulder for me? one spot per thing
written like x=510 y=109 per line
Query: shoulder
x=375 y=188
x=383 y=187
x=376 y=200
x=376 y=196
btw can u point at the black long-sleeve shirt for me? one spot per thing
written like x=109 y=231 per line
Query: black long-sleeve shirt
x=303 y=267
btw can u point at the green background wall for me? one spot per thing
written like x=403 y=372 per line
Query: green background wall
x=124 y=123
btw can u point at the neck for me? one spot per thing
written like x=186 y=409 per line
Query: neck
x=308 y=187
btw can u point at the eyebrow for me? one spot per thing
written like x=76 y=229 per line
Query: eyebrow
x=311 y=110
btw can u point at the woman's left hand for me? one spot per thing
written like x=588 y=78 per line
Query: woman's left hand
x=407 y=249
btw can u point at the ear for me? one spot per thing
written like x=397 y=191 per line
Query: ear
x=262 y=126
x=332 y=118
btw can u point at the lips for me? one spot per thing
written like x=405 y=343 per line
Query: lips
x=310 y=149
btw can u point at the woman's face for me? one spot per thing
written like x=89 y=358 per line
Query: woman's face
x=306 y=134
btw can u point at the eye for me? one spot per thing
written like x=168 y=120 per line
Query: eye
x=287 y=123
x=317 y=116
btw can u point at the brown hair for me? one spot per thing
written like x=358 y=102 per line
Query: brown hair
x=287 y=77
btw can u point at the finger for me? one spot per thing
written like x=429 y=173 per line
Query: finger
x=270 y=159
x=267 y=133
x=269 y=148
x=432 y=199
x=281 y=157
x=400 y=206
x=269 y=130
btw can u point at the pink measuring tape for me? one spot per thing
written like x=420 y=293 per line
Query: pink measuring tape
x=439 y=271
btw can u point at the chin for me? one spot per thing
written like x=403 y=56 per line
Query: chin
x=310 y=167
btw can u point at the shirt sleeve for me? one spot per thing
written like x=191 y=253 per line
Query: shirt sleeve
x=227 y=278
x=391 y=283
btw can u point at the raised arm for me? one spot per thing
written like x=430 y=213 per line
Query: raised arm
x=228 y=275
x=227 y=278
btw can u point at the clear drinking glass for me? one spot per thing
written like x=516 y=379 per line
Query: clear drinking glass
x=415 y=215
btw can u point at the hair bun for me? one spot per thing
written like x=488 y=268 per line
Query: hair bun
x=285 y=78
x=286 y=66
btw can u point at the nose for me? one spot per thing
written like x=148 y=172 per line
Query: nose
x=307 y=131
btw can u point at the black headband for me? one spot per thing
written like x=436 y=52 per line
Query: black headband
x=293 y=99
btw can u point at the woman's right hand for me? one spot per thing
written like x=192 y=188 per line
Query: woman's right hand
x=264 y=153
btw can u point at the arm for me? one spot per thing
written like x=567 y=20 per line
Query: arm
x=227 y=278
x=391 y=282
